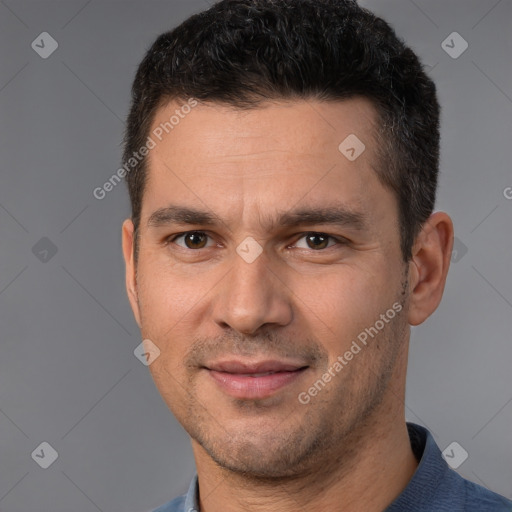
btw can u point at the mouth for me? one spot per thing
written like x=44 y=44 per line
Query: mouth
x=252 y=380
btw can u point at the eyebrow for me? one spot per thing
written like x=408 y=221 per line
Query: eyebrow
x=333 y=215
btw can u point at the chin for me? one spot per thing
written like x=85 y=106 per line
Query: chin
x=263 y=454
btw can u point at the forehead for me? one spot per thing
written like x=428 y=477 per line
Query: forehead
x=295 y=126
x=271 y=156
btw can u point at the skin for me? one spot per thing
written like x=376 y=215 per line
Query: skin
x=302 y=298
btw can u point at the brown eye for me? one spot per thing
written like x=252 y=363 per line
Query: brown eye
x=195 y=239
x=317 y=240
x=189 y=240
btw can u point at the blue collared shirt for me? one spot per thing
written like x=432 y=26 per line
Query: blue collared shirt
x=434 y=487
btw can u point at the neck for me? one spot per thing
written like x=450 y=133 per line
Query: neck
x=369 y=476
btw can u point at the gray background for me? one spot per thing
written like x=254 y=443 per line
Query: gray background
x=68 y=375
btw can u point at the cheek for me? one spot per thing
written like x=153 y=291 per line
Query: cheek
x=166 y=305
x=338 y=306
x=165 y=295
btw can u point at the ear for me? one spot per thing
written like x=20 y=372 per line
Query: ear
x=431 y=255
x=131 y=282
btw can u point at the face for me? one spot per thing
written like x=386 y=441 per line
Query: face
x=270 y=278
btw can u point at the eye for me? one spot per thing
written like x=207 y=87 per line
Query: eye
x=316 y=241
x=191 y=240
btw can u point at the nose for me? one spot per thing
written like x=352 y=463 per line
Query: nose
x=251 y=296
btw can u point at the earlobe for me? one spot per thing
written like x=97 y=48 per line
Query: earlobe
x=429 y=266
x=130 y=276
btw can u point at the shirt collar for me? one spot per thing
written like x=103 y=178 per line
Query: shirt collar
x=431 y=471
x=192 y=497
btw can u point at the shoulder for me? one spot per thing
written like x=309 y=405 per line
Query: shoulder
x=436 y=487
x=457 y=493
x=480 y=499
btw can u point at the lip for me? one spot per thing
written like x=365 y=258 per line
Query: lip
x=254 y=379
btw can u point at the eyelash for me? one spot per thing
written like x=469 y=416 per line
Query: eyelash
x=338 y=240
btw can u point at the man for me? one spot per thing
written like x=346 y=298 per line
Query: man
x=282 y=242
